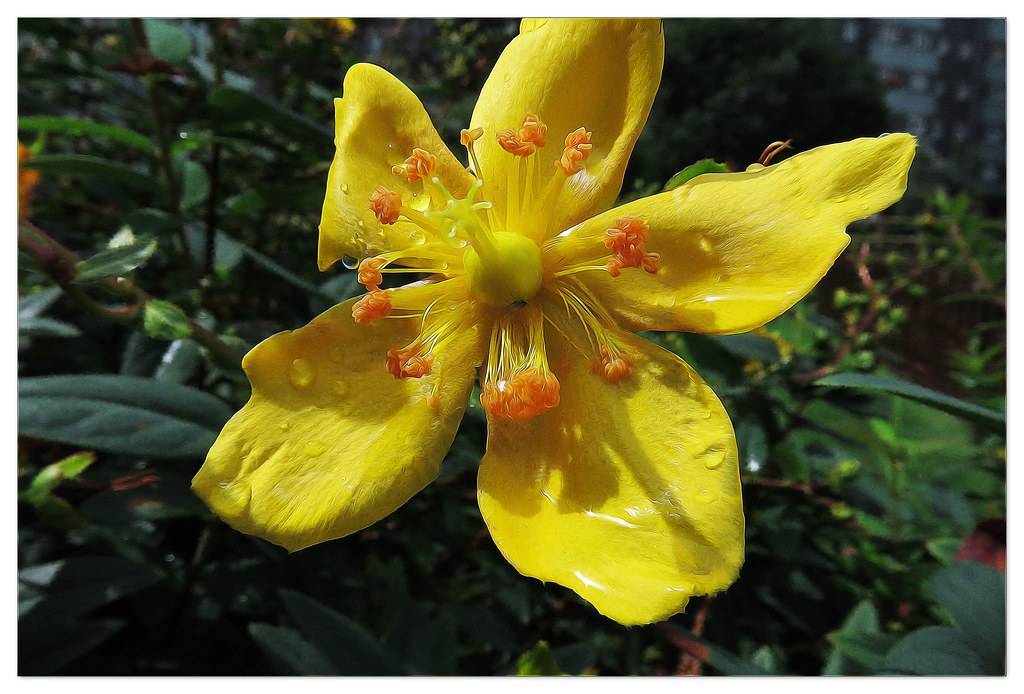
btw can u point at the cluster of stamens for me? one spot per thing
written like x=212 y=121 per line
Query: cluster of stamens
x=627 y=240
x=410 y=362
x=527 y=139
x=518 y=383
x=577 y=149
x=371 y=307
x=527 y=394
x=611 y=363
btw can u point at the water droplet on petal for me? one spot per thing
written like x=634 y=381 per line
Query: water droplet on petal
x=340 y=388
x=344 y=188
x=713 y=457
x=350 y=262
x=704 y=496
x=302 y=373
x=314 y=448
x=285 y=426
x=705 y=244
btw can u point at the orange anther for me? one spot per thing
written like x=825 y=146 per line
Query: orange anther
x=386 y=205
x=409 y=362
x=577 y=149
x=468 y=137
x=627 y=240
x=419 y=165
x=525 y=395
x=612 y=364
x=511 y=143
x=371 y=307
x=533 y=130
x=369 y=273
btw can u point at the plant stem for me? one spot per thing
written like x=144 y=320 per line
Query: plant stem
x=60 y=263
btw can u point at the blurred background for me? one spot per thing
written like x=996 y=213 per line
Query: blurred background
x=171 y=174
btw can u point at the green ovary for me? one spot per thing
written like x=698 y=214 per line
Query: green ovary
x=504 y=269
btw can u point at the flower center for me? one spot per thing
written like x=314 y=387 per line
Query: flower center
x=504 y=270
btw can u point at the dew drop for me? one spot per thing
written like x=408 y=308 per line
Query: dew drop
x=339 y=388
x=713 y=457
x=705 y=496
x=302 y=373
x=285 y=426
x=705 y=244
x=314 y=448
x=223 y=485
x=350 y=262
x=344 y=188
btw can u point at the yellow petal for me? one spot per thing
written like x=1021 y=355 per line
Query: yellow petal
x=378 y=122
x=330 y=442
x=628 y=493
x=595 y=73
x=739 y=249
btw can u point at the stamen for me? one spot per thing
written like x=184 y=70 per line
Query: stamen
x=525 y=142
x=468 y=137
x=518 y=383
x=611 y=359
x=533 y=130
x=371 y=307
x=577 y=149
x=612 y=364
x=370 y=272
x=386 y=205
x=525 y=395
x=511 y=143
x=418 y=166
x=627 y=240
x=416 y=359
x=772 y=150
x=410 y=362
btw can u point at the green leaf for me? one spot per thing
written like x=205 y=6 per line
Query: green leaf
x=863 y=620
x=115 y=262
x=538 y=661
x=974 y=595
x=165 y=321
x=349 y=648
x=87 y=166
x=693 y=170
x=179 y=362
x=236 y=104
x=864 y=648
x=86 y=128
x=73 y=587
x=45 y=647
x=123 y=414
x=46 y=327
x=943 y=548
x=895 y=386
x=167 y=41
x=934 y=651
x=195 y=184
x=289 y=651
x=52 y=475
x=35 y=304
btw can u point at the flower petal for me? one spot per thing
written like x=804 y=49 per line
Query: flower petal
x=378 y=122
x=595 y=73
x=737 y=250
x=627 y=493
x=330 y=442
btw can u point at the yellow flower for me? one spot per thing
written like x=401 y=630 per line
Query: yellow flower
x=28 y=179
x=611 y=468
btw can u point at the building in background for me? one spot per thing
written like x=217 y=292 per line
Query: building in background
x=946 y=83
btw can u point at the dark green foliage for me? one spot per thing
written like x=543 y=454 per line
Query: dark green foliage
x=183 y=162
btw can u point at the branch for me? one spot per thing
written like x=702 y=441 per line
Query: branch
x=60 y=263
